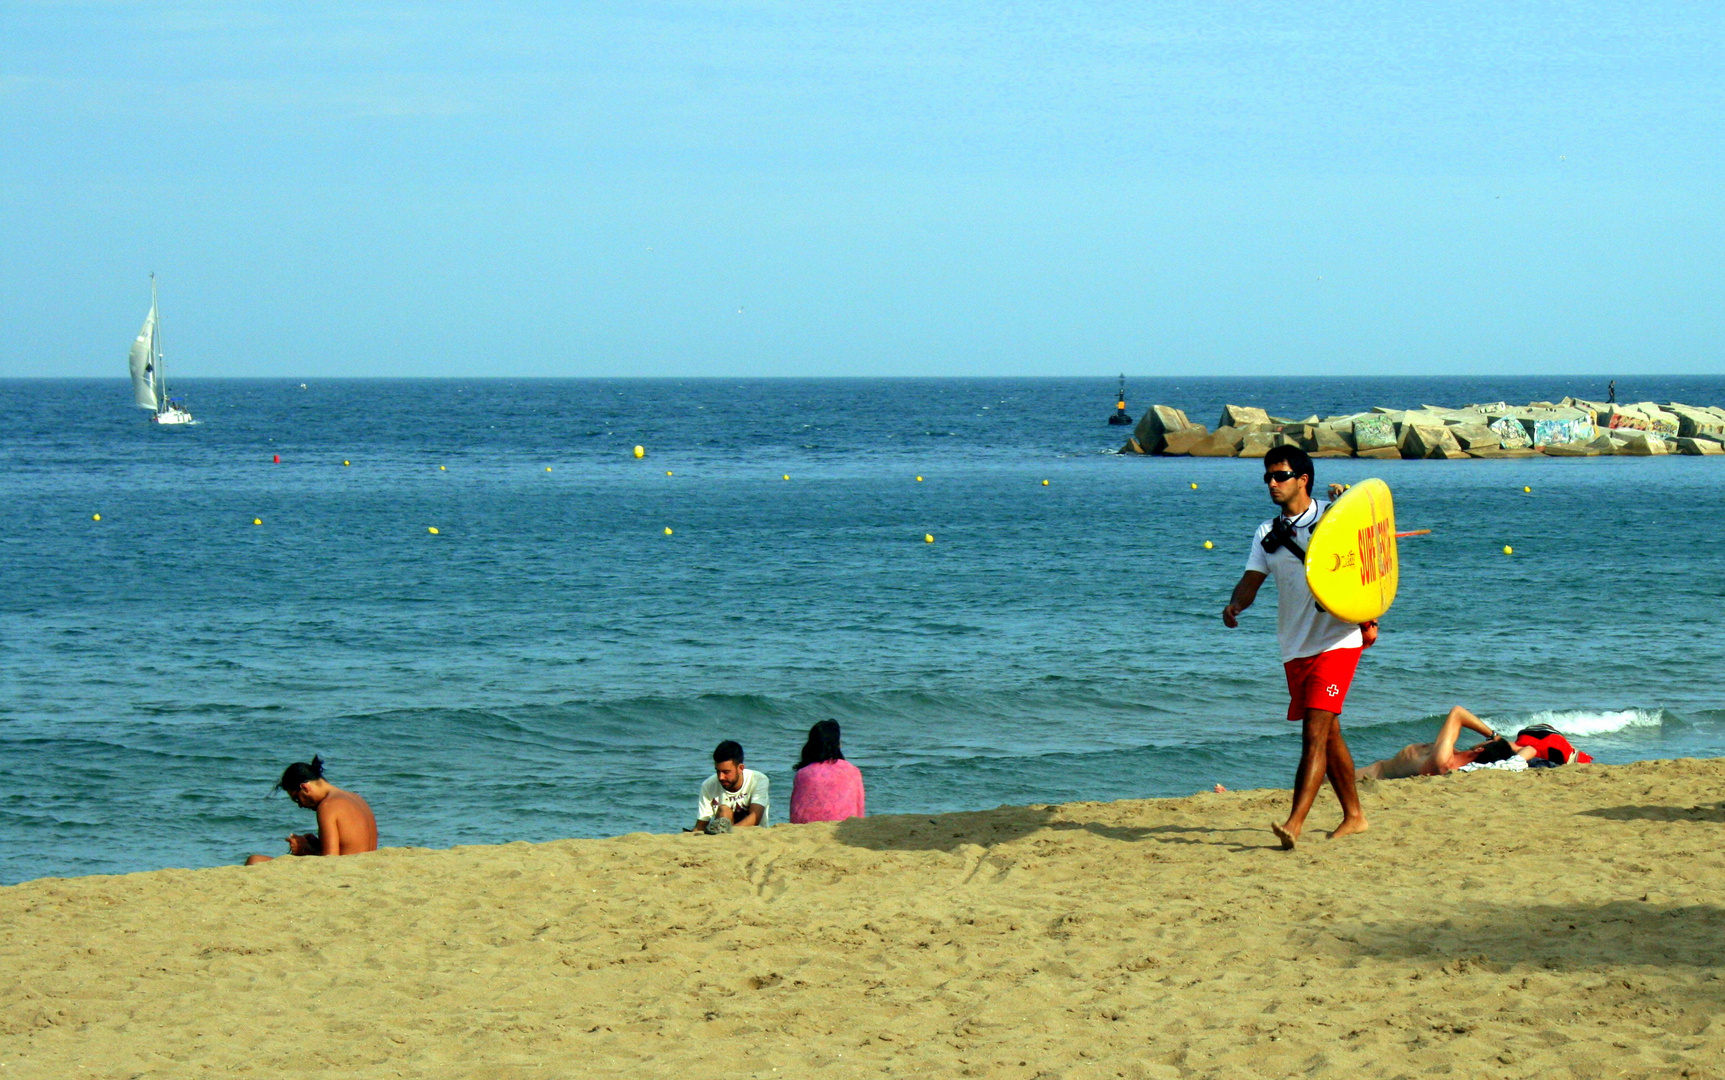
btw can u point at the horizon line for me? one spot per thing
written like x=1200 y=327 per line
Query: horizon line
x=848 y=378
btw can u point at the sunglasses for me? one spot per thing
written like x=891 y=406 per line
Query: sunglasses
x=1279 y=476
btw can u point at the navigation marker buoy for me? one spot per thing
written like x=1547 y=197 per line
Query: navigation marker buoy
x=347 y=463
x=1507 y=550
x=667 y=530
x=667 y=472
x=919 y=479
x=1045 y=483
x=1208 y=545
x=276 y=459
x=95 y=517
x=640 y=451
x=1527 y=491
x=443 y=468
x=1194 y=486
x=547 y=468
x=787 y=476
x=432 y=530
x=928 y=538
x=257 y=521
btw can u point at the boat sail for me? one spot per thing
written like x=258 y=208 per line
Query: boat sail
x=149 y=378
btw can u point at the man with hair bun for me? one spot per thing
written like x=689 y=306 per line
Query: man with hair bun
x=1319 y=651
x=345 y=825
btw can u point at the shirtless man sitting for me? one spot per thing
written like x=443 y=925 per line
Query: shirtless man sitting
x=345 y=825
x=1441 y=757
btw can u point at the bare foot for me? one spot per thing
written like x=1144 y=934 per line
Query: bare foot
x=1220 y=790
x=1287 y=838
x=1349 y=827
x=253 y=860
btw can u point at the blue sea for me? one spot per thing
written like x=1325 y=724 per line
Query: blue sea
x=552 y=663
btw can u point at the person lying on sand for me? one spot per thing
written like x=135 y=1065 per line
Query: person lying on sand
x=345 y=825
x=1440 y=757
x=733 y=797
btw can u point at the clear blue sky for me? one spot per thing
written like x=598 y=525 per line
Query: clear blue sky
x=952 y=189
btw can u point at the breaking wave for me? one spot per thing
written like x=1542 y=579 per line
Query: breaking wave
x=1585 y=722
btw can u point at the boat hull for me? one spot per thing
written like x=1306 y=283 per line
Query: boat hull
x=172 y=417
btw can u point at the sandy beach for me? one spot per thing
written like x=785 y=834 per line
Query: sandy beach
x=1539 y=924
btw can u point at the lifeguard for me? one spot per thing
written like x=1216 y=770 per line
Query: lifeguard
x=1319 y=651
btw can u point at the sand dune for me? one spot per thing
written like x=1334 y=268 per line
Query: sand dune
x=1545 y=924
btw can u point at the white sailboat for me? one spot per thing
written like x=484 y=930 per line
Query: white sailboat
x=149 y=379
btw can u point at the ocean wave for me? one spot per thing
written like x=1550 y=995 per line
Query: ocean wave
x=1588 y=722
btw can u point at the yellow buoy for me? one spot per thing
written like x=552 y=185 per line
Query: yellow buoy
x=928 y=538
x=787 y=476
x=1208 y=545
x=919 y=479
x=1507 y=550
x=95 y=517
x=257 y=521
x=432 y=530
x=443 y=468
x=1194 y=487
x=1045 y=483
x=640 y=451
x=347 y=463
x=1527 y=491
x=547 y=468
x=667 y=472
x=667 y=530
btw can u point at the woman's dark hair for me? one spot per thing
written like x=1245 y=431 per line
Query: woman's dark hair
x=1491 y=750
x=823 y=744
x=301 y=773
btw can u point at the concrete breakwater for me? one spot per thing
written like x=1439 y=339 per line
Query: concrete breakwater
x=1573 y=427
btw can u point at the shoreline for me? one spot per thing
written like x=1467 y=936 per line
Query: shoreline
x=1557 y=923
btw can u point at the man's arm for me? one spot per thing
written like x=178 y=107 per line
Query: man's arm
x=704 y=809
x=753 y=817
x=1244 y=593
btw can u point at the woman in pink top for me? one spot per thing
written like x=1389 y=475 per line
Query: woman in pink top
x=826 y=786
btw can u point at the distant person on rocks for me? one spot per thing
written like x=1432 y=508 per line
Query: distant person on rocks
x=733 y=797
x=345 y=825
x=1319 y=651
x=826 y=787
x=1541 y=746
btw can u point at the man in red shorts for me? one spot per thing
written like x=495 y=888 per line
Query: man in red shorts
x=1319 y=651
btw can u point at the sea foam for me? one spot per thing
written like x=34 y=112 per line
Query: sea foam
x=1579 y=722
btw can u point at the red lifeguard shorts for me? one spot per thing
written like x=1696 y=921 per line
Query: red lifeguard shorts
x=1320 y=682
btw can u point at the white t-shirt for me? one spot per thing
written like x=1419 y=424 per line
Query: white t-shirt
x=1302 y=627
x=753 y=789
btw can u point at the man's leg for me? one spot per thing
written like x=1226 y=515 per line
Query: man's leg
x=1341 y=773
x=1314 y=763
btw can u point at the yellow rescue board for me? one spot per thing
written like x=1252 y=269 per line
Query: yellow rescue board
x=1351 y=564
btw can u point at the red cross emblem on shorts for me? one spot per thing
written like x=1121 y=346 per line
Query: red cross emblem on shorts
x=1332 y=689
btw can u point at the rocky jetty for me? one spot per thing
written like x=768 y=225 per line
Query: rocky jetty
x=1572 y=427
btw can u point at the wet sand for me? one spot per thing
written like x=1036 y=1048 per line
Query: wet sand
x=1553 y=924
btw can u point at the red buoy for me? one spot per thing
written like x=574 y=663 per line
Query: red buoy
x=277 y=459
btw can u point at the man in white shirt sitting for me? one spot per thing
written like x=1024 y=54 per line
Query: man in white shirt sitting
x=1319 y=651
x=733 y=797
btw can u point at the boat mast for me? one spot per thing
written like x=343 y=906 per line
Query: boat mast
x=156 y=351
